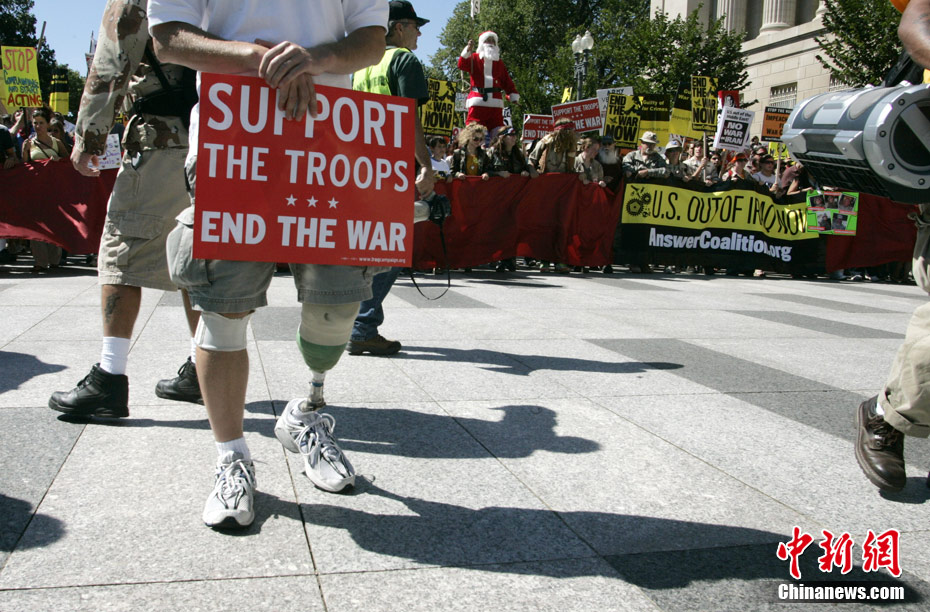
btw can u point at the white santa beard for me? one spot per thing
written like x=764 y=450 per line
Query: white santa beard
x=491 y=52
x=608 y=157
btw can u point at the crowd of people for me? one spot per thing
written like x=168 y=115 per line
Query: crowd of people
x=27 y=136
x=597 y=159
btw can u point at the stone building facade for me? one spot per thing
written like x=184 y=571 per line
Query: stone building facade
x=780 y=47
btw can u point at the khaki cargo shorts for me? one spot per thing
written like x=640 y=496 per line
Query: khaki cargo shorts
x=141 y=213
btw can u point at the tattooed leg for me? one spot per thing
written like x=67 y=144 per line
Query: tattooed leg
x=119 y=307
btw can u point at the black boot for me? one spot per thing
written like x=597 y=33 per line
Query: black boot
x=98 y=394
x=879 y=449
x=184 y=387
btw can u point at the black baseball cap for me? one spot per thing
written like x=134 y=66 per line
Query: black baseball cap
x=402 y=9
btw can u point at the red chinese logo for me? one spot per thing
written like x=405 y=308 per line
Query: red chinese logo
x=878 y=551
x=881 y=551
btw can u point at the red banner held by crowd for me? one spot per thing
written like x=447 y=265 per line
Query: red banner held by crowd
x=334 y=189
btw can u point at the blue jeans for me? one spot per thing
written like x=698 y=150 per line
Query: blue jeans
x=370 y=312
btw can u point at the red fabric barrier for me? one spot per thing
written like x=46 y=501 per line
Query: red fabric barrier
x=884 y=234
x=554 y=217
x=50 y=201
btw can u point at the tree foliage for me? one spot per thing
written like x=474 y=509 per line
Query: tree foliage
x=652 y=55
x=862 y=42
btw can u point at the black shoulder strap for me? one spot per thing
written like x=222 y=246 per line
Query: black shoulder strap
x=156 y=66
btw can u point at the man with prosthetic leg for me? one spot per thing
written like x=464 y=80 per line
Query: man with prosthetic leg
x=322 y=44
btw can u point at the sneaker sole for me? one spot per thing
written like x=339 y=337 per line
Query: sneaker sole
x=874 y=478
x=104 y=413
x=178 y=397
x=347 y=484
x=230 y=522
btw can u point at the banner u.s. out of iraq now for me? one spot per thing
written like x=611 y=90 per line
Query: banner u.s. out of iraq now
x=337 y=188
x=737 y=221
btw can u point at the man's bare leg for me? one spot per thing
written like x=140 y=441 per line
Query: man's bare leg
x=224 y=377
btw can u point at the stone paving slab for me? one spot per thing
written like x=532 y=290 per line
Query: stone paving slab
x=542 y=442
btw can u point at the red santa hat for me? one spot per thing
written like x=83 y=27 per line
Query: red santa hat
x=485 y=36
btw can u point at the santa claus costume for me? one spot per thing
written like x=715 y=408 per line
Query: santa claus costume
x=489 y=82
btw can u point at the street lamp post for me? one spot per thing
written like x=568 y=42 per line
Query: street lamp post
x=581 y=47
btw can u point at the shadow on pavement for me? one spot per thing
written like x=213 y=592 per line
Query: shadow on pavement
x=522 y=365
x=20 y=367
x=523 y=430
x=15 y=516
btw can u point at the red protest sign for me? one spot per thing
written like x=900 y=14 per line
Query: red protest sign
x=335 y=189
x=585 y=114
x=536 y=126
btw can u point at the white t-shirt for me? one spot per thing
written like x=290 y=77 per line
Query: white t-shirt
x=299 y=21
x=768 y=181
x=441 y=165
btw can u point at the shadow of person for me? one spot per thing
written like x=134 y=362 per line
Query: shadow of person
x=523 y=430
x=507 y=539
x=523 y=365
x=20 y=367
x=15 y=516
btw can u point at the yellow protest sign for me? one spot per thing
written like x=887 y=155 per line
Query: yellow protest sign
x=438 y=115
x=736 y=209
x=20 y=85
x=654 y=111
x=58 y=97
x=622 y=120
x=704 y=104
x=779 y=150
x=680 y=122
x=566 y=95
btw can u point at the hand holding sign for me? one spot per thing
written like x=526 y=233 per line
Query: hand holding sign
x=290 y=68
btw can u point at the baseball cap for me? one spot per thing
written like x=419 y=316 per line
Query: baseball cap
x=402 y=9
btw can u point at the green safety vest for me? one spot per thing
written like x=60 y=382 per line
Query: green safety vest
x=374 y=79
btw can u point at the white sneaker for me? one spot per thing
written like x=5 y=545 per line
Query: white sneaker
x=311 y=435
x=231 y=505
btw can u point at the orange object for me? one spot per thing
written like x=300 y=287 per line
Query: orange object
x=900 y=4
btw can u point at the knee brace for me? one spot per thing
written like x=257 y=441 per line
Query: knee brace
x=324 y=331
x=218 y=333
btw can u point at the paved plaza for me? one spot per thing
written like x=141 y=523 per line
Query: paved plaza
x=542 y=442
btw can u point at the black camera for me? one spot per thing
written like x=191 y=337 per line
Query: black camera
x=439 y=208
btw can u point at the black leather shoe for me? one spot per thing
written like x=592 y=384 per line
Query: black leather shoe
x=378 y=345
x=98 y=394
x=185 y=387
x=880 y=449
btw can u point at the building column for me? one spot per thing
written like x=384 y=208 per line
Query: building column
x=778 y=15
x=821 y=8
x=733 y=13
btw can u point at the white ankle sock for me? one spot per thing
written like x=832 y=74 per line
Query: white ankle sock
x=114 y=353
x=238 y=445
x=193 y=352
